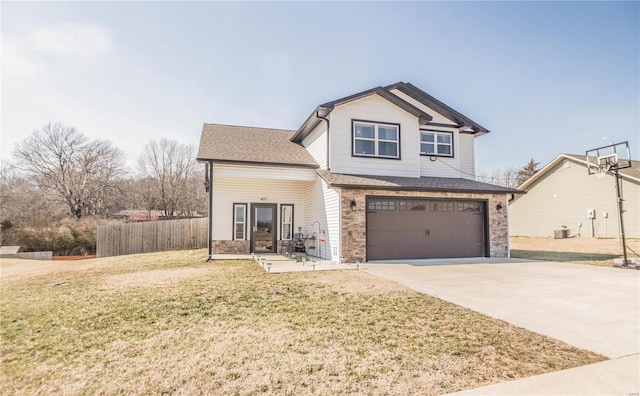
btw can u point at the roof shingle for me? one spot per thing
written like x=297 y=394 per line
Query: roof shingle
x=228 y=143
x=413 y=183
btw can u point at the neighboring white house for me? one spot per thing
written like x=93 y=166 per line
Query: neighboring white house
x=563 y=195
x=387 y=173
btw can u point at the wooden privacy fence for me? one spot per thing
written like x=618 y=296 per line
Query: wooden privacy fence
x=151 y=236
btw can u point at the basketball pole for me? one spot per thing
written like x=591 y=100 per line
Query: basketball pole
x=619 y=196
x=600 y=161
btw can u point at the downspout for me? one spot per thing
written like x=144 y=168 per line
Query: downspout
x=209 y=186
x=328 y=140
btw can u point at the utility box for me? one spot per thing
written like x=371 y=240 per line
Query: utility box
x=561 y=234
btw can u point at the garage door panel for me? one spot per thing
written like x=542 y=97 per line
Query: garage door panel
x=420 y=228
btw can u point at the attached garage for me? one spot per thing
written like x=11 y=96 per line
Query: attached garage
x=404 y=218
x=419 y=228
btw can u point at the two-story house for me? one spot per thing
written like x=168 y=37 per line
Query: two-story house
x=384 y=174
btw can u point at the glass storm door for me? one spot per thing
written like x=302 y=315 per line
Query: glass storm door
x=263 y=235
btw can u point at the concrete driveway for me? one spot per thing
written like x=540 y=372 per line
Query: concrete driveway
x=593 y=308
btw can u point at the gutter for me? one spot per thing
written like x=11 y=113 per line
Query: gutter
x=209 y=186
x=328 y=139
x=257 y=163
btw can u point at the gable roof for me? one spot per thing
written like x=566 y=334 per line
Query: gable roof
x=412 y=183
x=242 y=144
x=324 y=109
x=428 y=100
x=385 y=92
x=632 y=173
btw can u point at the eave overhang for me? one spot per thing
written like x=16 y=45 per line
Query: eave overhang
x=324 y=109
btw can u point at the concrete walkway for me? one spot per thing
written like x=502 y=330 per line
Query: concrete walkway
x=593 y=308
x=276 y=264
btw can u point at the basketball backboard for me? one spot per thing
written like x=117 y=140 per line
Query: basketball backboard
x=606 y=157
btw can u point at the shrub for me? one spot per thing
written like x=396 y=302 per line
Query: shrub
x=66 y=237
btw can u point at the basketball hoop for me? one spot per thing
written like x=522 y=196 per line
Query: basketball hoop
x=602 y=170
x=614 y=157
x=604 y=164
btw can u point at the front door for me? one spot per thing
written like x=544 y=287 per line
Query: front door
x=263 y=234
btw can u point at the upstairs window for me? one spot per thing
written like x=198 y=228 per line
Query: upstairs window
x=374 y=139
x=436 y=143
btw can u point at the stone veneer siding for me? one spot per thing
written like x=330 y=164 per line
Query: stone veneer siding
x=238 y=247
x=354 y=231
x=231 y=247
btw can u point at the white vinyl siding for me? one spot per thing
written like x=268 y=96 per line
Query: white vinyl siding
x=229 y=191
x=562 y=198
x=378 y=110
x=437 y=117
x=465 y=153
x=316 y=144
x=312 y=201
x=264 y=172
x=461 y=165
x=322 y=204
x=411 y=163
x=464 y=149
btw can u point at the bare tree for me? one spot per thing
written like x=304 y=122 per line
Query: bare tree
x=80 y=172
x=506 y=177
x=21 y=201
x=171 y=168
x=510 y=178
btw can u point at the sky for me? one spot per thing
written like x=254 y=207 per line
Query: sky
x=545 y=77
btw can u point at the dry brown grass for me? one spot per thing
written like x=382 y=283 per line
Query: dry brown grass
x=171 y=323
x=592 y=251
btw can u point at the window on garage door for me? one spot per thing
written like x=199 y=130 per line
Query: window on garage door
x=412 y=205
x=382 y=204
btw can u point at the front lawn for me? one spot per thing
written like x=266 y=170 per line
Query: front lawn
x=169 y=323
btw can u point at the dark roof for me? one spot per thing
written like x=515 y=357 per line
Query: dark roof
x=413 y=183
x=241 y=144
x=428 y=100
x=312 y=121
x=385 y=92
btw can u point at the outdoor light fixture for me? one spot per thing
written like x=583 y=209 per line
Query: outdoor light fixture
x=353 y=204
x=206 y=185
x=499 y=207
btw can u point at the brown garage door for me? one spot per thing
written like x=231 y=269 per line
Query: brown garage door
x=422 y=228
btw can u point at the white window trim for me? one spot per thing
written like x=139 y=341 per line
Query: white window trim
x=375 y=139
x=436 y=144
x=282 y=222
x=244 y=223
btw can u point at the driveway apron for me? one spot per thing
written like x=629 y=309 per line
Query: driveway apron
x=590 y=307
